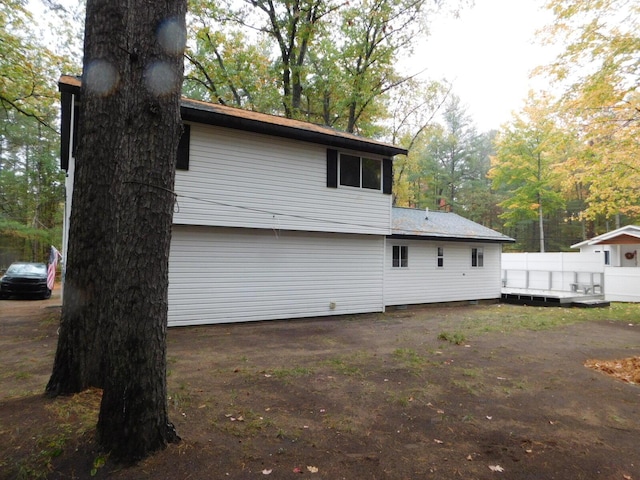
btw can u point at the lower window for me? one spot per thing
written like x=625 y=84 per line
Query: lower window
x=400 y=256
x=477 y=257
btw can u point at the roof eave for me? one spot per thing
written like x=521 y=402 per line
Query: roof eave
x=190 y=112
x=256 y=126
x=457 y=238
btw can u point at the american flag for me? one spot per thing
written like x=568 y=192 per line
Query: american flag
x=51 y=269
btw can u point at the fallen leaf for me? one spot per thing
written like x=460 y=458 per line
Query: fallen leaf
x=469 y=457
x=441 y=412
x=489 y=417
x=496 y=468
x=437 y=441
x=297 y=470
x=267 y=472
x=312 y=469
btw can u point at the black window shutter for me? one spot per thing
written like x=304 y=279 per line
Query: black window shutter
x=65 y=130
x=387 y=175
x=182 y=160
x=332 y=168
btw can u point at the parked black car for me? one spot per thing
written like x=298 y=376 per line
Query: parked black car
x=24 y=279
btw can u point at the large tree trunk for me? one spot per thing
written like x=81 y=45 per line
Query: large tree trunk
x=117 y=280
x=92 y=232
x=133 y=420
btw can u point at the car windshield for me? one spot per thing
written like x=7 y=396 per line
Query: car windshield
x=27 y=269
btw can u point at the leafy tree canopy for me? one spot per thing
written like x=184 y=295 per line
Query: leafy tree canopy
x=599 y=74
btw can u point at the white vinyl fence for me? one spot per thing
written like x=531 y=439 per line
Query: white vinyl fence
x=567 y=272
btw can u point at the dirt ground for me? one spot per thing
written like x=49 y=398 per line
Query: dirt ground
x=417 y=394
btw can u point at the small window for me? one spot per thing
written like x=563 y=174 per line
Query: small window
x=477 y=257
x=440 y=257
x=400 y=256
x=360 y=172
x=607 y=257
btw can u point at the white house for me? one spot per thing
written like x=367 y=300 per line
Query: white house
x=607 y=265
x=618 y=251
x=441 y=257
x=278 y=218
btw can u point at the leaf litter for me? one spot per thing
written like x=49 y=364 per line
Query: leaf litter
x=626 y=369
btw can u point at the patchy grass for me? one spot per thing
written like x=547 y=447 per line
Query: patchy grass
x=509 y=318
x=456 y=338
x=382 y=389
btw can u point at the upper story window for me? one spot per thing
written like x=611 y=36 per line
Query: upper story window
x=440 y=257
x=400 y=256
x=360 y=172
x=477 y=257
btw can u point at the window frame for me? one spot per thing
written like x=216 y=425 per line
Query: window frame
x=401 y=259
x=361 y=172
x=477 y=257
x=439 y=257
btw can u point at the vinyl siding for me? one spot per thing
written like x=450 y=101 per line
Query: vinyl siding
x=220 y=275
x=423 y=282
x=240 y=179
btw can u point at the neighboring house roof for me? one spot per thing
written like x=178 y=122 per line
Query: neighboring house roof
x=432 y=225
x=627 y=235
x=239 y=119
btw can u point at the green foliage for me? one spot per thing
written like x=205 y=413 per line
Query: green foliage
x=528 y=153
x=319 y=60
x=31 y=185
x=597 y=71
x=456 y=338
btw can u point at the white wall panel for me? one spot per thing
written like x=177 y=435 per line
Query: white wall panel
x=219 y=275
x=240 y=179
x=423 y=282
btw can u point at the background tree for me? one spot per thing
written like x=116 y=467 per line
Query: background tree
x=318 y=60
x=450 y=158
x=31 y=187
x=528 y=152
x=129 y=129
x=599 y=75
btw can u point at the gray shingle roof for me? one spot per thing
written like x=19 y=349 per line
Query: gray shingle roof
x=441 y=225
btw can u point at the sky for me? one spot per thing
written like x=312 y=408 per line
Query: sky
x=488 y=54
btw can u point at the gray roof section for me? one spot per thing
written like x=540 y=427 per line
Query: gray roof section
x=409 y=222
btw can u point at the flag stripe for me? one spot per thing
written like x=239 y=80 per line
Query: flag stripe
x=51 y=269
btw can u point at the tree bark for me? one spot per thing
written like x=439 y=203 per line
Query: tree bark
x=133 y=420
x=89 y=270
x=115 y=304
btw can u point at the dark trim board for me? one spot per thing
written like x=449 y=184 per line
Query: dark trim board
x=436 y=238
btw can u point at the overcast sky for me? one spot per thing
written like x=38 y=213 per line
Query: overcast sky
x=488 y=54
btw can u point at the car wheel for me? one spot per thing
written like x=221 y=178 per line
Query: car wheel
x=47 y=295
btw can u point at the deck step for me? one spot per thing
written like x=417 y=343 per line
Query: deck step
x=591 y=304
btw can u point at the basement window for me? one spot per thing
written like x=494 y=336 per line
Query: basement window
x=477 y=257
x=400 y=256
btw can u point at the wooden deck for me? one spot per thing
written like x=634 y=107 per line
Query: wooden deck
x=551 y=298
